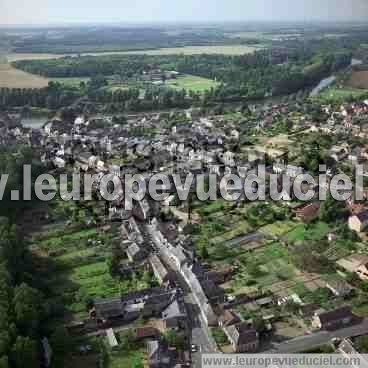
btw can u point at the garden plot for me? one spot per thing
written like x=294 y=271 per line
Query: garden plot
x=81 y=270
x=278 y=228
x=314 y=232
x=263 y=268
x=241 y=228
x=286 y=330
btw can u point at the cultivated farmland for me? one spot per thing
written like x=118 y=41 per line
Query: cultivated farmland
x=359 y=79
x=195 y=50
x=14 y=78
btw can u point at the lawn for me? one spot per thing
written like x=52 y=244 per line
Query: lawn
x=315 y=232
x=219 y=336
x=122 y=359
x=91 y=281
x=192 y=83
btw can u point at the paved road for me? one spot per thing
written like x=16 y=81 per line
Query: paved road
x=314 y=340
x=199 y=333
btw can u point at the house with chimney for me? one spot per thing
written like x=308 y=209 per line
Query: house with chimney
x=243 y=337
x=334 y=319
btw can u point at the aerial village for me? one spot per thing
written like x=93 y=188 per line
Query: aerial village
x=165 y=281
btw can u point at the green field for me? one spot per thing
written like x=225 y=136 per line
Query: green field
x=82 y=271
x=315 y=232
x=335 y=94
x=187 y=50
x=195 y=50
x=193 y=83
x=117 y=87
x=73 y=82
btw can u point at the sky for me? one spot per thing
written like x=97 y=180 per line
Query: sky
x=35 y=12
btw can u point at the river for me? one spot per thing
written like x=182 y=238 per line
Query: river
x=34 y=122
x=356 y=62
x=324 y=83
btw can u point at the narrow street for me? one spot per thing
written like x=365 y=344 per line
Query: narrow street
x=200 y=334
x=317 y=339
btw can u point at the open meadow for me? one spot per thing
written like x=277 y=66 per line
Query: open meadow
x=192 y=83
x=335 y=94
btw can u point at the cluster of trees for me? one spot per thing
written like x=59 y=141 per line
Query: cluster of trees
x=251 y=76
x=22 y=305
x=24 y=311
x=99 y=39
x=263 y=213
x=52 y=97
x=88 y=66
x=57 y=96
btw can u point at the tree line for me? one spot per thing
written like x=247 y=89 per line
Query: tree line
x=24 y=311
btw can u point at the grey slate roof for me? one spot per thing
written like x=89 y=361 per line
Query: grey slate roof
x=175 y=310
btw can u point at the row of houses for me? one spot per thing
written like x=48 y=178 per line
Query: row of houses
x=182 y=263
x=163 y=303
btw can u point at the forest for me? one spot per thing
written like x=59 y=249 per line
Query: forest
x=252 y=76
x=24 y=314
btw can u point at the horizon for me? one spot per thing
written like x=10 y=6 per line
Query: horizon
x=49 y=13
x=173 y=23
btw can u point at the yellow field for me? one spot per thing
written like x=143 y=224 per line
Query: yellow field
x=14 y=78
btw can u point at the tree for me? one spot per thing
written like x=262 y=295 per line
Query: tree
x=119 y=119
x=97 y=82
x=104 y=357
x=4 y=342
x=331 y=210
x=60 y=341
x=175 y=340
x=27 y=308
x=362 y=344
x=259 y=324
x=136 y=361
x=203 y=253
x=4 y=362
x=24 y=353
